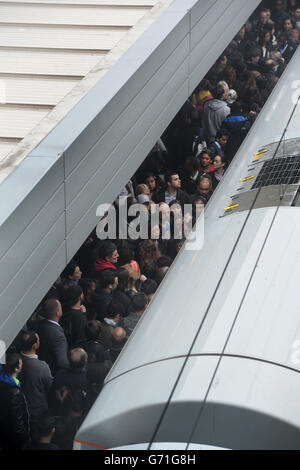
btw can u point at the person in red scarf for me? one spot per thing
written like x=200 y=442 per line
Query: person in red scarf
x=108 y=257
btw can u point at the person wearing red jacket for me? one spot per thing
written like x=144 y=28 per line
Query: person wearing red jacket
x=108 y=257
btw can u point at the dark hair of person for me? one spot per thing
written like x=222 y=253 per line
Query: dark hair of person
x=253 y=52
x=148 y=174
x=73 y=295
x=221 y=133
x=126 y=255
x=236 y=108
x=149 y=287
x=173 y=247
x=114 y=309
x=164 y=261
x=12 y=361
x=107 y=277
x=218 y=92
x=50 y=308
x=205 y=177
x=70 y=269
x=207 y=152
x=160 y=274
x=169 y=174
x=85 y=285
x=28 y=339
x=139 y=301
x=92 y=329
x=46 y=425
x=106 y=249
x=123 y=278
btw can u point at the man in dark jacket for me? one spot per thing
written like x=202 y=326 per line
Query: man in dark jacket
x=36 y=380
x=14 y=421
x=103 y=295
x=218 y=146
x=172 y=192
x=139 y=304
x=53 y=342
x=74 y=318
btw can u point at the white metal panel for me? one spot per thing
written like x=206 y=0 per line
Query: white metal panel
x=25 y=244
x=69 y=15
x=147 y=3
x=38 y=62
x=216 y=329
x=212 y=17
x=56 y=37
x=147 y=402
x=189 y=393
x=36 y=90
x=35 y=47
x=39 y=286
x=30 y=269
x=34 y=189
x=251 y=405
x=16 y=122
x=6 y=147
x=268 y=325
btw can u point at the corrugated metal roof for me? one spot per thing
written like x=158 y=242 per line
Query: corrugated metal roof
x=46 y=48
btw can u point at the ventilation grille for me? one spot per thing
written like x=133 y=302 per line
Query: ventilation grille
x=284 y=170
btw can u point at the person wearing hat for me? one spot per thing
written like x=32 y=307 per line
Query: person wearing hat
x=232 y=97
x=74 y=318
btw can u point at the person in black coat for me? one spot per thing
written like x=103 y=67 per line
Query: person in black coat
x=96 y=351
x=103 y=295
x=172 y=191
x=53 y=342
x=14 y=422
x=190 y=175
x=120 y=294
x=74 y=318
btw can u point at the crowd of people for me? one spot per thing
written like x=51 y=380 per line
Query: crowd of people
x=56 y=366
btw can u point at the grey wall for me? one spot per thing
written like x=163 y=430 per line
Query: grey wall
x=50 y=201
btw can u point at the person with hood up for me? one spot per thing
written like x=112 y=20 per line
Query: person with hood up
x=215 y=112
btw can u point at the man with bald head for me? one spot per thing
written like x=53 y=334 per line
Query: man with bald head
x=71 y=384
x=204 y=187
x=119 y=338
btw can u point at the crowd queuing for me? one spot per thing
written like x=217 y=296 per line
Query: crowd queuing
x=56 y=366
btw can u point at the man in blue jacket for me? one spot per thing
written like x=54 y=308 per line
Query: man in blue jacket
x=14 y=421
